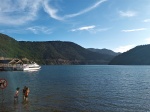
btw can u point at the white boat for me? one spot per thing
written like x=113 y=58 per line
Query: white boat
x=31 y=66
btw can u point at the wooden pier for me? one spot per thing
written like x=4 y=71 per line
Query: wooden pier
x=12 y=64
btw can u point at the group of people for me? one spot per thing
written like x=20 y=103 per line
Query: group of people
x=25 y=92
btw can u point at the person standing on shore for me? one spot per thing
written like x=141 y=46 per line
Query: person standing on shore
x=26 y=94
x=16 y=94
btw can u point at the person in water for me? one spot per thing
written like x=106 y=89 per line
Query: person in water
x=24 y=91
x=16 y=94
x=26 y=94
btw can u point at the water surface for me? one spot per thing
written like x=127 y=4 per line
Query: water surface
x=83 y=88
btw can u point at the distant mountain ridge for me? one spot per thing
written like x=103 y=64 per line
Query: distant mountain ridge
x=104 y=51
x=139 y=55
x=50 y=52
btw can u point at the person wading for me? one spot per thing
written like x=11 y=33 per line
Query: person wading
x=26 y=94
x=16 y=94
x=24 y=91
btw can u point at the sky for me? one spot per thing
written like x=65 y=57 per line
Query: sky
x=118 y=25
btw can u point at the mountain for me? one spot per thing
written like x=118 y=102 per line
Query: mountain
x=104 y=51
x=139 y=55
x=50 y=52
x=9 y=47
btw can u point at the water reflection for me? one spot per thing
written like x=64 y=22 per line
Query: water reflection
x=2 y=108
x=21 y=107
x=25 y=105
x=15 y=107
x=32 y=72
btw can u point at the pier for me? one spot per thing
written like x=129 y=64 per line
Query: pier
x=12 y=64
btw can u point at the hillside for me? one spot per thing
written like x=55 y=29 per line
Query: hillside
x=9 y=47
x=139 y=55
x=50 y=52
x=104 y=51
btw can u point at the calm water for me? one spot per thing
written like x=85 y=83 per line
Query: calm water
x=79 y=89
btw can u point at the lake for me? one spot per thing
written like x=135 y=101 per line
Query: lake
x=79 y=88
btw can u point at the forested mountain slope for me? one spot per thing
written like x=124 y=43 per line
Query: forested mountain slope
x=50 y=52
x=139 y=55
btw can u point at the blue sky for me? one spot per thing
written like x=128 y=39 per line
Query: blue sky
x=118 y=25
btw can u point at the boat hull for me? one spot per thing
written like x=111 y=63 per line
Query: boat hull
x=29 y=67
x=26 y=69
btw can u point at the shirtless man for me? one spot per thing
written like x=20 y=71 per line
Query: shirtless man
x=26 y=94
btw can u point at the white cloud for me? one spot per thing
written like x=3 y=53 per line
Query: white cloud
x=51 y=11
x=18 y=12
x=127 y=13
x=84 y=28
x=37 y=29
x=85 y=10
x=124 y=48
x=91 y=29
x=146 y=20
x=17 y=31
x=147 y=40
x=99 y=30
x=134 y=30
x=34 y=29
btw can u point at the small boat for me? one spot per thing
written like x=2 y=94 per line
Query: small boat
x=31 y=66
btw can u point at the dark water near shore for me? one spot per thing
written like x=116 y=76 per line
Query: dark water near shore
x=79 y=89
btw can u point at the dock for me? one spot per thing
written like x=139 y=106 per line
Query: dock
x=12 y=64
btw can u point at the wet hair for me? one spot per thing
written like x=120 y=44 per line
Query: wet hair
x=17 y=88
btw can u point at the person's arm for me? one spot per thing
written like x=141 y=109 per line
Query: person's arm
x=17 y=92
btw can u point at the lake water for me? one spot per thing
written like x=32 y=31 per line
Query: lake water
x=87 y=88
